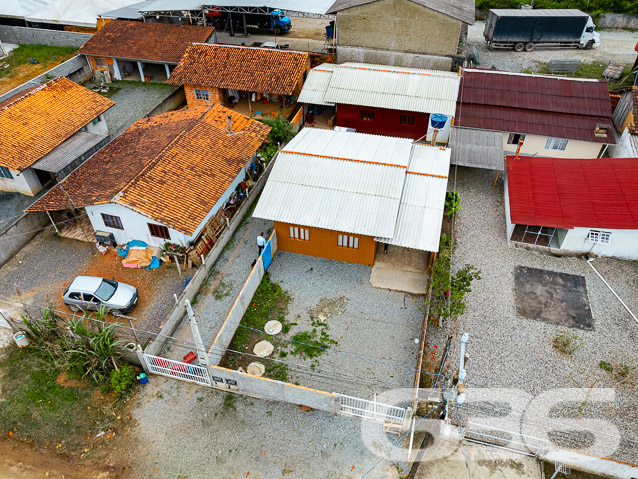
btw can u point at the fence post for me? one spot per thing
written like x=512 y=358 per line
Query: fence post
x=140 y=356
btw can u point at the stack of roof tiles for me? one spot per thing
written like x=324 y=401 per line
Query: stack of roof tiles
x=264 y=70
x=162 y=42
x=35 y=121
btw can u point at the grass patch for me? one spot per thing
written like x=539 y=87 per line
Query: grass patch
x=311 y=343
x=223 y=290
x=589 y=70
x=42 y=54
x=39 y=406
x=566 y=344
x=230 y=402
x=278 y=372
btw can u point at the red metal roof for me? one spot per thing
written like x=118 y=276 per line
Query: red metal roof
x=558 y=107
x=568 y=193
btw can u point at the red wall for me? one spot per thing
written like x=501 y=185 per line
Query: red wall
x=385 y=122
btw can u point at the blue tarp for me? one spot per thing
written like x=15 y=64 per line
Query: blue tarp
x=155 y=263
x=123 y=252
x=266 y=255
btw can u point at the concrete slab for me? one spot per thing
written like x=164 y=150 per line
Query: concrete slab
x=552 y=297
x=484 y=462
x=400 y=269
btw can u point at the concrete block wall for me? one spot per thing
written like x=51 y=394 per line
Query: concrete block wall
x=8 y=35
x=19 y=233
x=57 y=38
x=264 y=388
x=169 y=103
x=216 y=96
x=75 y=69
x=399 y=59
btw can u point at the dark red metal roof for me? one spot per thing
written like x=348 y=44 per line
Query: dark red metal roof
x=558 y=107
x=568 y=193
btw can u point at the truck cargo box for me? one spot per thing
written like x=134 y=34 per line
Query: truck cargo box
x=537 y=26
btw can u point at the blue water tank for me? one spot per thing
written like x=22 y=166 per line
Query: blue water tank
x=438 y=120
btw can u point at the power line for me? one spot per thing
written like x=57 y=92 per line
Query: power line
x=44 y=227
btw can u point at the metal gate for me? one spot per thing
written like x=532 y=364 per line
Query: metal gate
x=503 y=439
x=177 y=369
x=372 y=410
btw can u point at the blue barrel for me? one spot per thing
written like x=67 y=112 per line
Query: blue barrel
x=438 y=121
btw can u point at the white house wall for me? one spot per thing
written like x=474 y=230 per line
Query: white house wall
x=535 y=145
x=135 y=225
x=509 y=227
x=26 y=183
x=100 y=128
x=624 y=148
x=624 y=243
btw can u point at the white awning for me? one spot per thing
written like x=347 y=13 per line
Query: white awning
x=319 y=7
x=20 y=8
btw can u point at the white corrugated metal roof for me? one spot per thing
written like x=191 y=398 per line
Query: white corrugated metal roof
x=337 y=180
x=346 y=181
x=315 y=86
x=316 y=6
x=20 y=8
x=82 y=13
x=397 y=88
x=423 y=200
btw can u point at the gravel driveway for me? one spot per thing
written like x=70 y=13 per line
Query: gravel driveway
x=508 y=351
x=615 y=46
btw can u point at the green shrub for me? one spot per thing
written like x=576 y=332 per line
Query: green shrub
x=122 y=378
x=281 y=129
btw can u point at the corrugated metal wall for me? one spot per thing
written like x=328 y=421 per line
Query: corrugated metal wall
x=324 y=244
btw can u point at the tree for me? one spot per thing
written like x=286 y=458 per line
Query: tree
x=281 y=129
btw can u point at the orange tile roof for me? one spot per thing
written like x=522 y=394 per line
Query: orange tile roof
x=264 y=70
x=34 y=123
x=162 y=42
x=182 y=174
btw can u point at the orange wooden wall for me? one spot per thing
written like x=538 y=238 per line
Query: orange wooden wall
x=324 y=244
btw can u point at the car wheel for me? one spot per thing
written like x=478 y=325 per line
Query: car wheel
x=116 y=312
x=74 y=308
x=589 y=46
x=519 y=47
x=530 y=47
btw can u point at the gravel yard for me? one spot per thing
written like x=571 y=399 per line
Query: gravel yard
x=133 y=100
x=508 y=351
x=615 y=46
x=43 y=268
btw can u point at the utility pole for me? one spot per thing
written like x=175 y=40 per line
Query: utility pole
x=201 y=351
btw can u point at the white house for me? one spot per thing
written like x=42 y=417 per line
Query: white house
x=164 y=178
x=537 y=115
x=573 y=205
x=48 y=131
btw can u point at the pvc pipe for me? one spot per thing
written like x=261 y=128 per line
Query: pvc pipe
x=611 y=289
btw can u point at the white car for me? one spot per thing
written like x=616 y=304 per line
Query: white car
x=90 y=293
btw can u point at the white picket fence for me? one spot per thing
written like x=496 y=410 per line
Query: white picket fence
x=177 y=369
x=371 y=410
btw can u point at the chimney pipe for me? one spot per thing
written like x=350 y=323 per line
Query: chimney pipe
x=518 y=150
x=228 y=124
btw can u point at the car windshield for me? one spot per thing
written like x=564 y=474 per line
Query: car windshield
x=106 y=289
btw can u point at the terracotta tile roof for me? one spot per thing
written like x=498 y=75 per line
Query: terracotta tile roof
x=173 y=171
x=264 y=70
x=35 y=121
x=162 y=42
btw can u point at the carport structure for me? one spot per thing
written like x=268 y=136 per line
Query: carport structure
x=141 y=51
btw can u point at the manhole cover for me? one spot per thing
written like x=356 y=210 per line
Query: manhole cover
x=263 y=349
x=273 y=327
x=256 y=369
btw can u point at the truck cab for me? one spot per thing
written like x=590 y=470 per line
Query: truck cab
x=590 y=38
x=279 y=22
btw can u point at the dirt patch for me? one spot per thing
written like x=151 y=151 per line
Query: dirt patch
x=329 y=307
x=22 y=73
x=64 y=380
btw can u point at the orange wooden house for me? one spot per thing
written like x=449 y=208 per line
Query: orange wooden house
x=340 y=195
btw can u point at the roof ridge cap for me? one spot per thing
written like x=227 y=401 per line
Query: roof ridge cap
x=248 y=47
x=32 y=92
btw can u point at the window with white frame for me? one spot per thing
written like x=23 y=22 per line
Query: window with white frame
x=596 y=236
x=556 y=144
x=299 y=233
x=202 y=94
x=5 y=173
x=346 y=241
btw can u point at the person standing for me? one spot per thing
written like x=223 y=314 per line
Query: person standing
x=261 y=243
